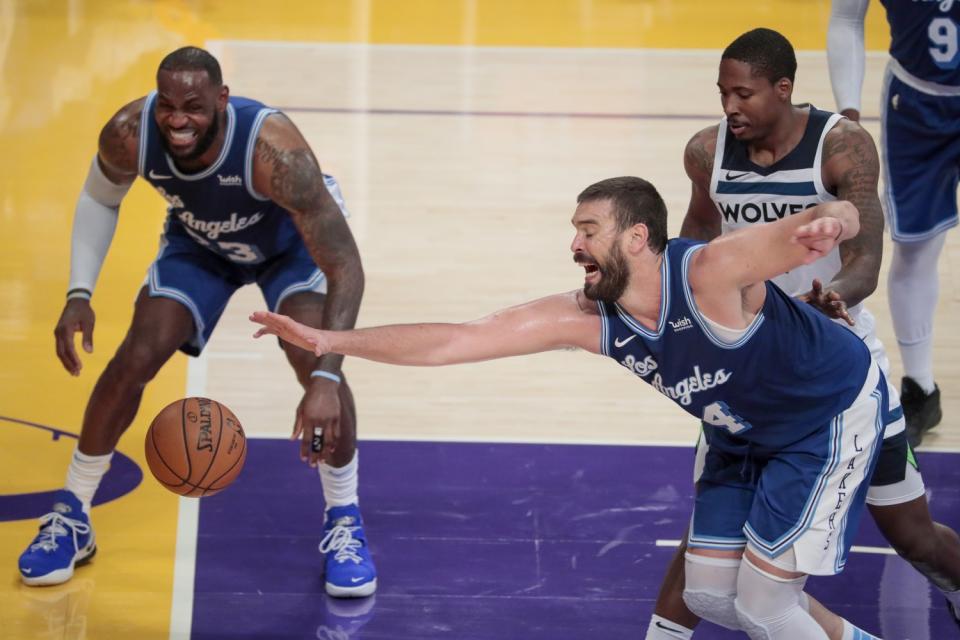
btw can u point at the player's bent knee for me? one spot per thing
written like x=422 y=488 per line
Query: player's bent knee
x=711 y=588
x=769 y=606
x=138 y=362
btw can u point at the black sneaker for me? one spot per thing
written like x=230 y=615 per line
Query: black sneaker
x=921 y=410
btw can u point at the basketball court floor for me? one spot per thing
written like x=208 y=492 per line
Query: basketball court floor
x=538 y=497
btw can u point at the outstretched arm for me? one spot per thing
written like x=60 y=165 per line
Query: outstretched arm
x=845 y=54
x=565 y=320
x=702 y=221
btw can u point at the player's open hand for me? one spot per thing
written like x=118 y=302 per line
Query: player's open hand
x=818 y=237
x=289 y=330
x=77 y=316
x=827 y=301
x=318 y=421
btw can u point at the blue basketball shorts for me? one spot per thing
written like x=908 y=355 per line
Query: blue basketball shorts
x=808 y=495
x=203 y=281
x=920 y=143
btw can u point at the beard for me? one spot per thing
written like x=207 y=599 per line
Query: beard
x=204 y=142
x=614 y=277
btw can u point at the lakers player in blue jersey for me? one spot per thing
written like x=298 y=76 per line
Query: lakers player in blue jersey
x=247 y=204
x=920 y=143
x=768 y=159
x=792 y=445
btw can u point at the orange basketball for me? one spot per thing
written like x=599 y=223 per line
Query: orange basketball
x=196 y=447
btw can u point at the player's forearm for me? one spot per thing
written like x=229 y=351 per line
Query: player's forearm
x=344 y=293
x=94 y=223
x=420 y=345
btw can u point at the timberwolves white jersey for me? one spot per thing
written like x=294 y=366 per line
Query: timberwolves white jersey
x=746 y=193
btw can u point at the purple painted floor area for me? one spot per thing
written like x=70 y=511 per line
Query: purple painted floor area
x=500 y=541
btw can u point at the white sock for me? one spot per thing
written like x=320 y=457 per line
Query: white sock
x=663 y=629
x=918 y=364
x=851 y=632
x=84 y=475
x=340 y=484
x=912 y=290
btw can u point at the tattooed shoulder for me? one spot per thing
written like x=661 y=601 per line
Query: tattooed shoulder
x=699 y=152
x=120 y=137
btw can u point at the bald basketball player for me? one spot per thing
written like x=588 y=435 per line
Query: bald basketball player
x=247 y=203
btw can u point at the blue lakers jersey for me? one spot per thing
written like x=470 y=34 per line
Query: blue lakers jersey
x=218 y=207
x=925 y=38
x=790 y=373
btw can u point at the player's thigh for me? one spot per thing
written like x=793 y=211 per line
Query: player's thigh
x=726 y=486
x=811 y=493
x=295 y=286
x=199 y=281
x=921 y=153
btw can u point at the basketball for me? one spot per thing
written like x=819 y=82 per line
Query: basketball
x=195 y=447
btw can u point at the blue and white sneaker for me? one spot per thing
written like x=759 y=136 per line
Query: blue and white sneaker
x=65 y=541
x=348 y=566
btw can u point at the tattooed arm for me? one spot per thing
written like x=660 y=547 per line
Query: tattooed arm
x=286 y=171
x=702 y=221
x=851 y=170
x=119 y=144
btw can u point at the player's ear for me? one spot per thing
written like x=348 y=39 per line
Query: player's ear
x=223 y=97
x=639 y=235
x=784 y=88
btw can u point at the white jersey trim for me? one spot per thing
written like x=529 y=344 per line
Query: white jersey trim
x=925 y=86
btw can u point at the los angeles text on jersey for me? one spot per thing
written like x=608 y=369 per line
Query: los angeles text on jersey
x=684 y=389
x=751 y=212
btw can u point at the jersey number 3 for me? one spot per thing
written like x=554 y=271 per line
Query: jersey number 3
x=719 y=415
x=943 y=36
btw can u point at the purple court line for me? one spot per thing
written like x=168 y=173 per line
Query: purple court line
x=513 y=114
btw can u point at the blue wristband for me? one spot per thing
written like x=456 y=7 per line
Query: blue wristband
x=320 y=373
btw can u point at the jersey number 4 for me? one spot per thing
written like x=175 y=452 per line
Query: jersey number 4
x=719 y=415
x=943 y=36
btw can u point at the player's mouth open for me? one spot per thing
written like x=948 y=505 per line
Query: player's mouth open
x=737 y=127
x=182 y=137
x=592 y=272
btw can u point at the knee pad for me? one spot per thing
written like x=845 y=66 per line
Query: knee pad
x=769 y=607
x=711 y=588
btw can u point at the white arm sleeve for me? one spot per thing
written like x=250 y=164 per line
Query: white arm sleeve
x=845 y=53
x=94 y=223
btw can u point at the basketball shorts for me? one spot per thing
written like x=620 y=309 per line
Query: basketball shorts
x=920 y=142
x=204 y=282
x=808 y=495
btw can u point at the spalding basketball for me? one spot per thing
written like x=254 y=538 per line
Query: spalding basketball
x=196 y=447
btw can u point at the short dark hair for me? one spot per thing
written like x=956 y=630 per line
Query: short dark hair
x=193 y=59
x=635 y=201
x=768 y=53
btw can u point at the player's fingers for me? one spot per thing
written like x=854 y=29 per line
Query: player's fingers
x=316 y=445
x=67 y=352
x=87 y=329
x=297 y=426
x=305 y=440
x=332 y=436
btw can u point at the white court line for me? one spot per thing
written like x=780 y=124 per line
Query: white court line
x=188 y=512
x=883 y=551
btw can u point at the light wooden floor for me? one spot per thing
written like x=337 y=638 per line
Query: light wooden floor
x=461 y=174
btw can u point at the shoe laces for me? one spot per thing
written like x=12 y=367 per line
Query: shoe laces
x=55 y=524
x=341 y=541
